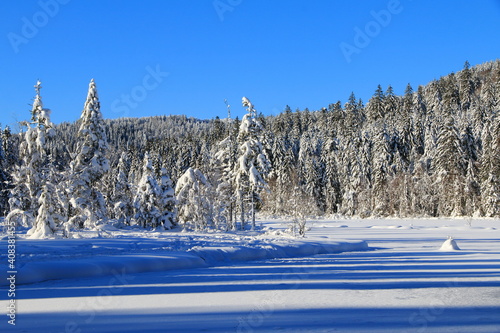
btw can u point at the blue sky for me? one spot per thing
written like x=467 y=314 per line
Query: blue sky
x=186 y=56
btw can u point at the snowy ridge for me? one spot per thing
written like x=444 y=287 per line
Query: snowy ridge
x=196 y=257
x=213 y=255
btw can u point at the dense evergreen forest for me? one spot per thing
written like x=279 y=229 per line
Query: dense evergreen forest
x=435 y=151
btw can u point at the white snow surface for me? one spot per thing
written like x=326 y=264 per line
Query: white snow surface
x=133 y=281
x=449 y=245
x=133 y=251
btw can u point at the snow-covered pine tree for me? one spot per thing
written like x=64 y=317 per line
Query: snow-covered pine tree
x=381 y=172
x=375 y=109
x=405 y=129
x=352 y=175
x=9 y=145
x=33 y=174
x=470 y=195
x=486 y=104
x=451 y=96
x=154 y=202
x=449 y=169
x=45 y=224
x=4 y=182
x=466 y=87
x=9 y=166
x=252 y=165
x=312 y=169
x=490 y=168
x=225 y=161
x=195 y=207
x=280 y=177
x=433 y=99
x=122 y=191
x=89 y=166
x=167 y=202
x=394 y=117
x=146 y=198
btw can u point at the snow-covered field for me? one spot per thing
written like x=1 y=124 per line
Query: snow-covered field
x=127 y=281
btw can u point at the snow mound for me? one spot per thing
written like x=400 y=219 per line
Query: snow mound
x=449 y=245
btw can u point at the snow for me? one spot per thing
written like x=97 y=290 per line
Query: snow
x=449 y=245
x=191 y=282
x=130 y=253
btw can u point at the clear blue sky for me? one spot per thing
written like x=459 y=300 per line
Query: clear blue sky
x=275 y=52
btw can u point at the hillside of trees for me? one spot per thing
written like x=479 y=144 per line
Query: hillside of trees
x=435 y=151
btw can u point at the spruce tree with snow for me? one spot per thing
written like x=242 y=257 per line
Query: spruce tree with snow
x=193 y=195
x=252 y=165
x=122 y=192
x=376 y=106
x=90 y=164
x=466 y=87
x=33 y=174
x=154 y=202
x=490 y=169
x=280 y=177
x=45 y=224
x=8 y=165
x=312 y=169
x=146 y=209
x=225 y=161
x=4 y=182
x=405 y=126
x=449 y=169
x=381 y=172
x=167 y=202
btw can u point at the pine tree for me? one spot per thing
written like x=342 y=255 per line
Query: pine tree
x=376 y=106
x=45 y=224
x=89 y=166
x=122 y=191
x=394 y=118
x=418 y=143
x=405 y=126
x=490 y=169
x=466 y=87
x=381 y=172
x=167 y=201
x=4 y=182
x=280 y=177
x=34 y=172
x=449 y=169
x=154 y=202
x=332 y=192
x=312 y=169
x=147 y=213
x=195 y=207
x=251 y=165
x=225 y=161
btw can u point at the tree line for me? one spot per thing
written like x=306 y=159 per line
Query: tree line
x=434 y=151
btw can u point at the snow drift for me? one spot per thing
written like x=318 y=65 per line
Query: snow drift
x=33 y=272
x=449 y=245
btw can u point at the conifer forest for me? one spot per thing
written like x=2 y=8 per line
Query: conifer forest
x=432 y=152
